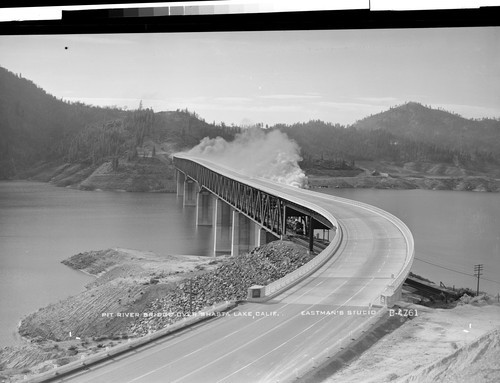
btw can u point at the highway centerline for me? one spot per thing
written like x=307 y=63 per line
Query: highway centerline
x=295 y=336
x=245 y=344
x=195 y=335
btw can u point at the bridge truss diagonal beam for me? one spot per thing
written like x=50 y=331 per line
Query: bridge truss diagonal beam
x=262 y=207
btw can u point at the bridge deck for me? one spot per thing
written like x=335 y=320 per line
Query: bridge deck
x=285 y=333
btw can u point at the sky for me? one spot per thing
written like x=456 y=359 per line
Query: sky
x=269 y=77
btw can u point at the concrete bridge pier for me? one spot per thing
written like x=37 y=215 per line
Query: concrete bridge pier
x=246 y=234
x=238 y=232
x=190 y=192
x=222 y=224
x=234 y=232
x=181 y=178
x=205 y=208
x=262 y=236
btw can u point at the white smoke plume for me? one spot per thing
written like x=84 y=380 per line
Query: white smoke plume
x=257 y=153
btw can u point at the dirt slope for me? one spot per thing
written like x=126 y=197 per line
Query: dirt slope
x=430 y=347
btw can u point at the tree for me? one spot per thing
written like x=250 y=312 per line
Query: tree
x=114 y=164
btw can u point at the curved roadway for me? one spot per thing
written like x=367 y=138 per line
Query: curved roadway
x=272 y=341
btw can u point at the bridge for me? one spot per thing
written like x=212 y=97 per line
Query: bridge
x=247 y=212
x=293 y=324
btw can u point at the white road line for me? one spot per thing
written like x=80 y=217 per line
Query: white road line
x=295 y=336
x=234 y=332
x=254 y=339
x=195 y=334
x=220 y=339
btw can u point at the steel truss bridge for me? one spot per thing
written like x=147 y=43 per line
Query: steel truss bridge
x=267 y=210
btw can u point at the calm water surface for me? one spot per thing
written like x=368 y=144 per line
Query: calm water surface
x=452 y=229
x=40 y=225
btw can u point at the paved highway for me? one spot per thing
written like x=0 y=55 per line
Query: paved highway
x=270 y=342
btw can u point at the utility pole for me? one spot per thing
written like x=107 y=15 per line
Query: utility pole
x=477 y=272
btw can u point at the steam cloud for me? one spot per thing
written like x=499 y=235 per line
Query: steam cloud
x=256 y=153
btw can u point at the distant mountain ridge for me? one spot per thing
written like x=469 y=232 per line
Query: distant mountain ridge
x=36 y=128
x=434 y=126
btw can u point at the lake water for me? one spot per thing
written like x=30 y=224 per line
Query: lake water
x=40 y=225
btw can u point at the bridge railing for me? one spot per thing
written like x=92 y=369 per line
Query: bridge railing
x=332 y=350
x=275 y=287
x=398 y=279
x=113 y=352
x=319 y=260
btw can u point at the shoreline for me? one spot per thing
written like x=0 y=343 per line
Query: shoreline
x=408 y=182
x=36 y=353
x=130 y=282
x=156 y=175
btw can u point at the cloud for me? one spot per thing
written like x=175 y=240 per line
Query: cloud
x=233 y=100
x=290 y=96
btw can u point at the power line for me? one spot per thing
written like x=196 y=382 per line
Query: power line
x=489 y=280
x=455 y=271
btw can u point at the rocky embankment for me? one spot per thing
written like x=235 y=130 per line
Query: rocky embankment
x=141 y=175
x=229 y=281
x=133 y=282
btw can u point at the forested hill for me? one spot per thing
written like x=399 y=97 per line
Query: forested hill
x=35 y=125
x=438 y=127
x=409 y=133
